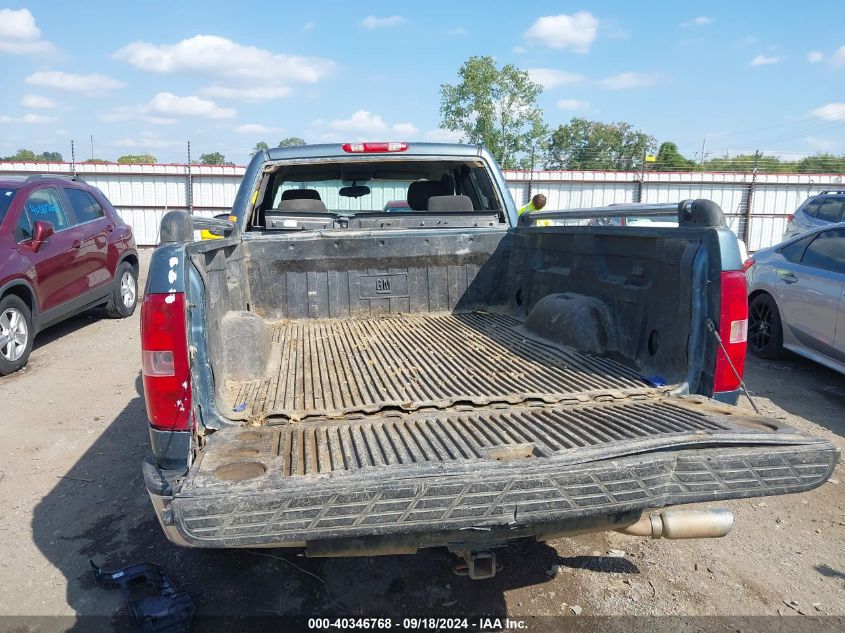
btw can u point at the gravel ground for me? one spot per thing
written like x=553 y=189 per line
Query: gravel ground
x=74 y=432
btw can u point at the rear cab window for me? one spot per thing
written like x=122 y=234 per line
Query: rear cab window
x=362 y=190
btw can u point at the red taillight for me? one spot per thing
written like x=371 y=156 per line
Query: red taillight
x=369 y=148
x=790 y=218
x=165 y=365
x=748 y=263
x=733 y=329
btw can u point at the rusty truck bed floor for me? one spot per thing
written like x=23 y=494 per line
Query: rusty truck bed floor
x=334 y=367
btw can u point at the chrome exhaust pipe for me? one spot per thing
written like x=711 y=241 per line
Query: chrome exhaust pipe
x=678 y=524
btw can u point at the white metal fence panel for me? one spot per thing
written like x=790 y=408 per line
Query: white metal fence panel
x=142 y=193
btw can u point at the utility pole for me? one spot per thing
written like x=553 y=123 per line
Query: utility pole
x=72 y=159
x=190 y=190
x=749 y=201
x=92 y=147
x=703 y=155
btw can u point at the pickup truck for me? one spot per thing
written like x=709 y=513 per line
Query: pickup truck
x=350 y=381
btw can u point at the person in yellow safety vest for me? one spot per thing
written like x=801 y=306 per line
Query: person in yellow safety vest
x=538 y=202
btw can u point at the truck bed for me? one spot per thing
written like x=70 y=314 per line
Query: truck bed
x=406 y=362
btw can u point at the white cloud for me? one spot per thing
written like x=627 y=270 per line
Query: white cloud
x=264 y=93
x=169 y=104
x=838 y=58
x=37 y=101
x=551 y=78
x=443 y=136
x=830 y=112
x=146 y=143
x=764 y=60
x=820 y=144
x=576 y=31
x=365 y=125
x=572 y=104
x=167 y=108
x=27 y=118
x=701 y=20
x=625 y=81
x=309 y=25
x=221 y=57
x=815 y=56
x=458 y=30
x=373 y=22
x=90 y=85
x=19 y=35
x=256 y=128
x=405 y=129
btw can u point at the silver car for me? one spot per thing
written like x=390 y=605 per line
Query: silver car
x=797 y=297
x=817 y=211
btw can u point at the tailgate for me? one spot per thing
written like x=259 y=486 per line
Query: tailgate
x=481 y=469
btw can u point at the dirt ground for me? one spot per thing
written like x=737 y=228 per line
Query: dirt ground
x=73 y=434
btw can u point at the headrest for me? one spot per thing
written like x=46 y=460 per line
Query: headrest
x=301 y=194
x=302 y=206
x=421 y=190
x=449 y=203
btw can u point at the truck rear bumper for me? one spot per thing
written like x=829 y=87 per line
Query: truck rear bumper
x=231 y=500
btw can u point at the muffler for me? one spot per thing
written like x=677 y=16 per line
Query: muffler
x=679 y=524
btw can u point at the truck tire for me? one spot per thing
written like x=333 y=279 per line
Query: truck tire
x=765 y=330
x=124 y=296
x=16 y=334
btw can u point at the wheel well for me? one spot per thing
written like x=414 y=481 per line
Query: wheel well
x=756 y=294
x=25 y=294
x=133 y=261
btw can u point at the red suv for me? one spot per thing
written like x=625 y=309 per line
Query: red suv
x=63 y=249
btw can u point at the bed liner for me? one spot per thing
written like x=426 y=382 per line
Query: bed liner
x=406 y=362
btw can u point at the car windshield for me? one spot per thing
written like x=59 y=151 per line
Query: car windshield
x=352 y=188
x=6 y=197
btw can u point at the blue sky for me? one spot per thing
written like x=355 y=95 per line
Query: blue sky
x=148 y=76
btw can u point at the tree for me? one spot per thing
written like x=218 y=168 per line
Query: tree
x=495 y=108
x=260 y=146
x=822 y=164
x=28 y=156
x=748 y=163
x=137 y=159
x=213 y=158
x=290 y=141
x=50 y=157
x=23 y=156
x=583 y=144
x=670 y=159
x=95 y=161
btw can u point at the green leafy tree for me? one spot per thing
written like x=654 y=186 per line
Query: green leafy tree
x=213 y=158
x=22 y=155
x=583 y=144
x=496 y=108
x=670 y=159
x=50 y=157
x=291 y=141
x=137 y=159
x=821 y=164
x=748 y=163
x=95 y=161
x=260 y=146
